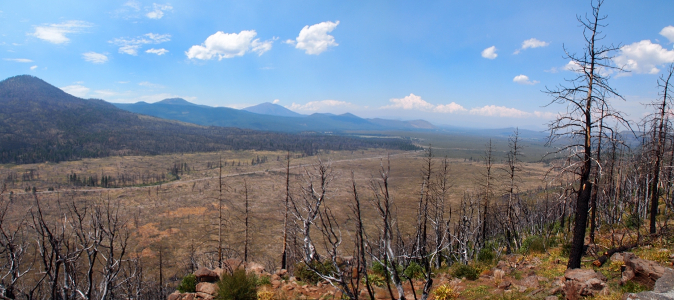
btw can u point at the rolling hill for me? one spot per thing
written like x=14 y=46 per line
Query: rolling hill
x=266 y=116
x=39 y=122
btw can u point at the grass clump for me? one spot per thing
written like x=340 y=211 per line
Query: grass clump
x=446 y=292
x=633 y=287
x=237 y=286
x=188 y=284
x=485 y=255
x=467 y=271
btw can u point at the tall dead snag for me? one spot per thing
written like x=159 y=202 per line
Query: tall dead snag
x=284 y=255
x=361 y=261
x=384 y=206
x=220 y=213
x=246 y=217
x=660 y=120
x=438 y=219
x=486 y=182
x=588 y=92
x=307 y=209
x=13 y=250
x=513 y=168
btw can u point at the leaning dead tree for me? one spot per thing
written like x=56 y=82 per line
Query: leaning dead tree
x=585 y=95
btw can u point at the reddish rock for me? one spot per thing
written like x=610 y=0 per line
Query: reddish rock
x=530 y=282
x=582 y=282
x=204 y=296
x=208 y=288
x=206 y=275
x=640 y=270
x=174 y=296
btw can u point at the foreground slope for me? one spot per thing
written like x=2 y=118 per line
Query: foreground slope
x=39 y=122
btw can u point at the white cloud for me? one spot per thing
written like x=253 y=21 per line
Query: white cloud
x=56 y=33
x=133 y=4
x=123 y=82
x=19 y=60
x=409 y=102
x=668 y=32
x=498 y=111
x=490 y=52
x=151 y=85
x=449 y=108
x=276 y=101
x=414 y=102
x=161 y=51
x=33 y=67
x=531 y=43
x=158 y=10
x=643 y=57
x=524 y=79
x=76 y=90
x=94 y=57
x=315 y=39
x=228 y=45
x=131 y=46
x=318 y=105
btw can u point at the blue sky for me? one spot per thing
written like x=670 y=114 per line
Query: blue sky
x=461 y=63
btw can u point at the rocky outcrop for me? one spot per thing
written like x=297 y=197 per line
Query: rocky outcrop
x=662 y=290
x=578 y=283
x=640 y=270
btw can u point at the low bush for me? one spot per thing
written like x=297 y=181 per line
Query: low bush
x=237 y=286
x=533 y=244
x=188 y=284
x=485 y=255
x=414 y=271
x=461 y=270
x=445 y=292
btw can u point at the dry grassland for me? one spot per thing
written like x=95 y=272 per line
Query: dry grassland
x=181 y=216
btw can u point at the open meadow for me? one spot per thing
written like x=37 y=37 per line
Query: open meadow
x=179 y=215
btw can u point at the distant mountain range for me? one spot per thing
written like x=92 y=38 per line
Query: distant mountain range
x=266 y=116
x=40 y=122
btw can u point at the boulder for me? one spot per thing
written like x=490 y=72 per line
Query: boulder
x=253 y=267
x=530 y=282
x=204 y=296
x=206 y=275
x=208 y=288
x=640 y=270
x=174 y=296
x=663 y=289
x=578 y=283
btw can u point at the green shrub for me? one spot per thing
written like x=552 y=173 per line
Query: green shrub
x=461 y=270
x=306 y=274
x=379 y=269
x=566 y=249
x=485 y=255
x=188 y=284
x=375 y=280
x=414 y=271
x=263 y=280
x=533 y=244
x=633 y=221
x=237 y=286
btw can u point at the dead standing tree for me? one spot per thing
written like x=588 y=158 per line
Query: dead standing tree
x=584 y=95
x=308 y=208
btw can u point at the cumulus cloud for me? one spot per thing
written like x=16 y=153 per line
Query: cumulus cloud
x=409 y=102
x=315 y=39
x=668 y=32
x=524 y=79
x=489 y=53
x=158 y=10
x=94 y=57
x=318 y=105
x=33 y=67
x=498 y=111
x=643 y=57
x=531 y=43
x=414 y=102
x=133 y=4
x=104 y=93
x=56 y=33
x=276 y=101
x=131 y=45
x=19 y=60
x=76 y=90
x=161 y=51
x=228 y=45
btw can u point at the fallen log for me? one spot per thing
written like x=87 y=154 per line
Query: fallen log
x=604 y=258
